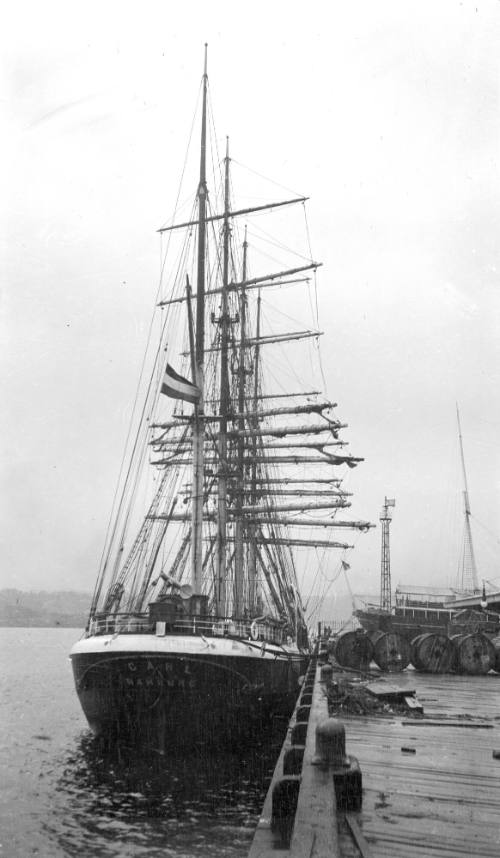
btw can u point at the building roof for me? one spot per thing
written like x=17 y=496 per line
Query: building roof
x=493 y=599
x=415 y=589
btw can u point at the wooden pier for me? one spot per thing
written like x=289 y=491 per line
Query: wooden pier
x=441 y=795
x=431 y=784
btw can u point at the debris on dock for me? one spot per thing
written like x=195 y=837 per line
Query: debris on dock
x=356 y=696
x=442 y=798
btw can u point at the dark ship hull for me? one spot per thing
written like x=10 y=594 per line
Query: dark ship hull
x=406 y=622
x=172 y=691
x=411 y=622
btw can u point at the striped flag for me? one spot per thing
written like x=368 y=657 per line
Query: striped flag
x=177 y=387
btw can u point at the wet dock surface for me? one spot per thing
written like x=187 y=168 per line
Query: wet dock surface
x=441 y=795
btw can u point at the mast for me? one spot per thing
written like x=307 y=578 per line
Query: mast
x=385 y=568
x=224 y=406
x=252 y=548
x=469 y=571
x=238 y=559
x=232 y=474
x=198 y=423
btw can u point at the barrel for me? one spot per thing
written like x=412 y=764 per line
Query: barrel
x=433 y=653
x=353 y=649
x=414 y=659
x=496 y=643
x=475 y=654
x=391 y=651
x=456 y=639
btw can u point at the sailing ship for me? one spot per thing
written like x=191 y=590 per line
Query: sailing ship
x=197 y=626
x=419 y=609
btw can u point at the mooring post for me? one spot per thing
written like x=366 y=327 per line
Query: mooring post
x=330 y=755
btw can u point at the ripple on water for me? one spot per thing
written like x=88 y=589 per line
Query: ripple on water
x=63 y=796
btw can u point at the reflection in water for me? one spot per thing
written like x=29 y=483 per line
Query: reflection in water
x=118 y=803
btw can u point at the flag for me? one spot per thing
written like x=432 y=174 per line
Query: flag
x=177 y=387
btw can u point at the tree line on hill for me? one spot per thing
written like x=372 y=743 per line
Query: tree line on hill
x=65 y=608
x=69 y=609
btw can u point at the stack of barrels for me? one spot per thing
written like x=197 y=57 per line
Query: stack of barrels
x=432 y=652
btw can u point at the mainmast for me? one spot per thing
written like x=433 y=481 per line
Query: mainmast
x=469 y=571
x=224 y=407
x=252 y=548
x=198 y=423
x=385 y=567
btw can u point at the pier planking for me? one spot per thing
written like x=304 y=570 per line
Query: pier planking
x=444 y=799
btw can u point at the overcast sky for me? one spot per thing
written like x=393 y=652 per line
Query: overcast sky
x=387 y=115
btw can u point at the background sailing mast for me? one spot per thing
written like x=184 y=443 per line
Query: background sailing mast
x=468 y=577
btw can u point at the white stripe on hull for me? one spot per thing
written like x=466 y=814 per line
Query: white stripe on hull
x=182 y=645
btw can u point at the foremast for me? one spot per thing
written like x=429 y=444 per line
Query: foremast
x=198 y=417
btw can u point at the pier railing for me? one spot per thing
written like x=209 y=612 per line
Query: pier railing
x=313 y=779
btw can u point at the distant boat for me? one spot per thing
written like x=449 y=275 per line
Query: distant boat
x=197 y=625
x=419 y=609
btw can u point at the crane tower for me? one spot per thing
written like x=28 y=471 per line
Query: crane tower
x=385 y=569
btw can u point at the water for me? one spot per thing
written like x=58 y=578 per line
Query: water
x=63 y=796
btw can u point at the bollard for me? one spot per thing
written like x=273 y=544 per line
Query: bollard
x=284 y=806
x=330 y=753
x=326 y=673
x=330 y=743
x=348 y=785
x=293 y=759
x=303 y=713
x=299 y=733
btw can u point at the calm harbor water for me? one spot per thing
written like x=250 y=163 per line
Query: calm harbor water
x=62 y=796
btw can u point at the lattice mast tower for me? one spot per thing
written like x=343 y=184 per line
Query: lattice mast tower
x=385 y=568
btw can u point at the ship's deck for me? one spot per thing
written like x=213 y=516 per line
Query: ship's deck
x=442 y=797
